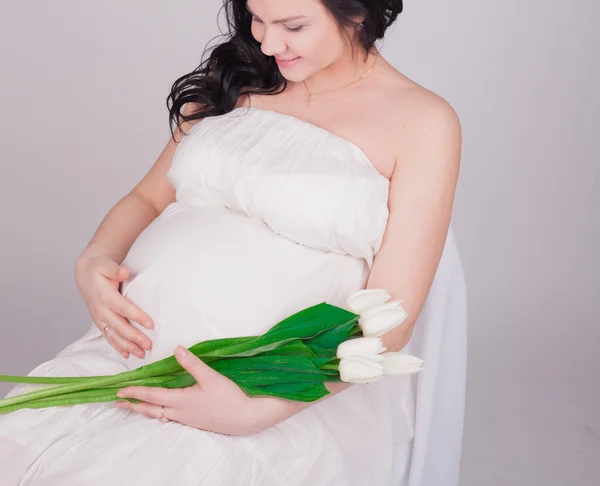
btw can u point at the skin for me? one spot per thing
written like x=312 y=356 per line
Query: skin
x=412 y=137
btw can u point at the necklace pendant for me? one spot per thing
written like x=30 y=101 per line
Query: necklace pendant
x=309 y=100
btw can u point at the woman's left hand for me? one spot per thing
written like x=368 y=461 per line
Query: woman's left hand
x=215 y=403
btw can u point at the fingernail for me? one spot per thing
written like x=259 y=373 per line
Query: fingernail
x=180 y=351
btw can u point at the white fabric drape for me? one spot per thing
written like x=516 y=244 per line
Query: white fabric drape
x=440 y=339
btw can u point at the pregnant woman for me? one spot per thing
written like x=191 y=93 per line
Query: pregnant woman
x=302 y=167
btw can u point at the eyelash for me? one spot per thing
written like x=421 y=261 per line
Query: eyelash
x=289 y=29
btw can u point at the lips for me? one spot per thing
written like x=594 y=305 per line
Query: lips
x=286 y=62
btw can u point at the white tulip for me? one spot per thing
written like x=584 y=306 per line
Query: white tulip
x=361 y=346
x=362 y=299
x=361 y=369
x=379 y=319
x=398 y=363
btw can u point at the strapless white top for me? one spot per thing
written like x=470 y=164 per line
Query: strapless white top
x=302 y=181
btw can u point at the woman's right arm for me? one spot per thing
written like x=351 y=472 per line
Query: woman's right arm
x=98 y=273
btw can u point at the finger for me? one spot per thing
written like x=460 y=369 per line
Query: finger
x=119 y=342
x=123 y=273
x=128 y=309
x=101 y=326
x=110 y=269
x=127 y=331
x=169 y=397
x=105 y=329
x=103 y=317
x=124 y=328
x=201 y=372
x=149 y=409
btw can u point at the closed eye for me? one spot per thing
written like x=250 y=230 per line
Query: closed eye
x=289 y=29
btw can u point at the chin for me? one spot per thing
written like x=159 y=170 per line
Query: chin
x=294 y=77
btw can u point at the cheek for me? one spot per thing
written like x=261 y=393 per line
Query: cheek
x=311 y=47
x=335 y=44
x=321 y=57
x=256 y=32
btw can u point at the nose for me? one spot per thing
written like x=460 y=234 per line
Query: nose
x=271 y=44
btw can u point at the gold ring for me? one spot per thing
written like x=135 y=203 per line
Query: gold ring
x=105 y=329
x=162 y=415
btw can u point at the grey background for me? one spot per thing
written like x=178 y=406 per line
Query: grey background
x=82 y=91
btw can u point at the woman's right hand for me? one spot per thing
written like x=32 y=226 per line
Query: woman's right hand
x=98 y=279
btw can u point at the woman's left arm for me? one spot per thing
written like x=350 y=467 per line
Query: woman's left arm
x=421 y=196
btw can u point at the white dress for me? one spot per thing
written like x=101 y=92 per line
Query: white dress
x=273 y=214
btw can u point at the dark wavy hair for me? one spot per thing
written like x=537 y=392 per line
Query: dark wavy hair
x=237 y=66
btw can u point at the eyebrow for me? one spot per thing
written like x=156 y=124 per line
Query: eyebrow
x=279 y=21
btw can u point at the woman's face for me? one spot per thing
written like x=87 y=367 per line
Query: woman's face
x=301 y=35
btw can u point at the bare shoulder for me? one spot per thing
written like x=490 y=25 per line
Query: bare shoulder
x=416 y=118
x=419 y=109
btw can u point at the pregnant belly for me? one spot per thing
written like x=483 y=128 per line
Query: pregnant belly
x=205 y=273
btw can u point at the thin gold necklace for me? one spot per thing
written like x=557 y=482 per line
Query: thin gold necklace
x=310 y=95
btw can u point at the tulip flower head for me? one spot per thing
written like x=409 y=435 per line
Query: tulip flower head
x=396 y=364
x=361 y=369
x=379 y=319
x=362 y=299
x=361 y=360
x=360 y=347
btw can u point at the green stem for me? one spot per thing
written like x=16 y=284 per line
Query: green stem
x=49 y=380
x=58 y=380
x=72 y=387
x=105 y=395
x=166 y=366
x=151 y=381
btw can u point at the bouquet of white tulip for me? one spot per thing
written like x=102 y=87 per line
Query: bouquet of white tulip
x=363 y=360
x=292 y=360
